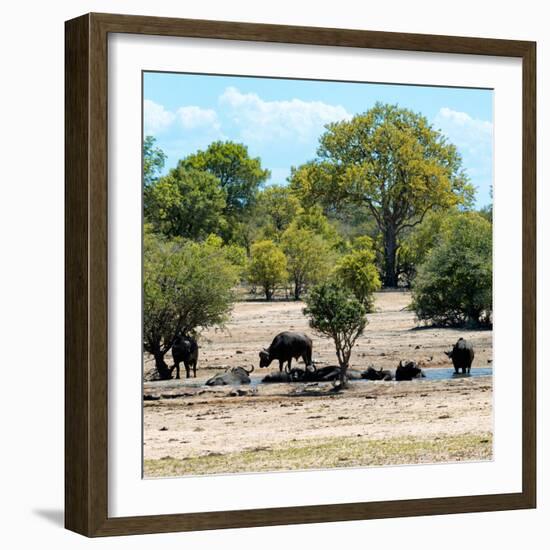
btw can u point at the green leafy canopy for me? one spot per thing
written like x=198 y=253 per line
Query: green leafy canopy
x=454 y=284
x=335 y=312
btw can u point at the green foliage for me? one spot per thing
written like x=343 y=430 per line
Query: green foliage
x=239 y=175
x=267 y=267
x=357 y=271
x=391 y=161
x=419 y=241
x=487 y=212
x=313 y=219
x=308 y=258
x=454 y=285
x=153 y=161
x=334 y=311
x=234 y=253
x=185 y=203
x=276 y=208
x=186 y=286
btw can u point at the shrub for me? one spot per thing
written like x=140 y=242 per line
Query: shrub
x=454 y=285
x=334 y=311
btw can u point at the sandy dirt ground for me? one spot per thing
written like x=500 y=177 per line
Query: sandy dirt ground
x=190 y=428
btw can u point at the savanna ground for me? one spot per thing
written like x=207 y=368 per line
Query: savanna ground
x=192 y=429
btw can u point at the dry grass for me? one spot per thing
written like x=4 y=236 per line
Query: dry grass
x=336 y=452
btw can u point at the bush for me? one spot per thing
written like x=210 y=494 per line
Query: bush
x=267 y=267
x=453 y=286
x=334 y=311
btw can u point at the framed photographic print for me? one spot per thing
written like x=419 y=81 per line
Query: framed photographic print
x=300 y=275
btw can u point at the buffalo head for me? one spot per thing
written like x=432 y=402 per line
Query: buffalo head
x=265 y=359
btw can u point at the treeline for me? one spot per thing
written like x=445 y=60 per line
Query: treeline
x=385 y=202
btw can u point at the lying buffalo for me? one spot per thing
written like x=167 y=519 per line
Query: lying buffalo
x=462 y=355
x=408 y=371
x=324 y=374
x=186 y=350
x=310 y=374
x=314 y=375
x=277 y=378
x=231 y=377
x=372 y=374
x=285 y=347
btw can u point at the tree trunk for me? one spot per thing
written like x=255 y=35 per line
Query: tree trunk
x=343 y=375
x=343 y=362
x=390 y=253
x=163 y=370
x=268 y=293
x=297 y=291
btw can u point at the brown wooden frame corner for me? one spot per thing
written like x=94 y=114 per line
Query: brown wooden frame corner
x=86 y=315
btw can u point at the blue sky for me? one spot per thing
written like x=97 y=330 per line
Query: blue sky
x=280 y=120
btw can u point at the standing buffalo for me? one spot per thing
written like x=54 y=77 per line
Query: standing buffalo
x=408 y=371
x=186 y=350
x=285 y=347
x=231 y=377
x=462 y=355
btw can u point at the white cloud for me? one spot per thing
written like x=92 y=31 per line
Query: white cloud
x=469 y=134
x=192 y=117
x=155 y=117
x=261 y=120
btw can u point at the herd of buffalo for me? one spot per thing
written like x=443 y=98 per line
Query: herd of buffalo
x=287 y=346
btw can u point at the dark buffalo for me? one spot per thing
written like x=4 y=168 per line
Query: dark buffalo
x=285 y=347
x=276 y=377
x=323 y=374
x=372 y=374
x=408 y=371
x=303 y=375
x=231 y=377
x=186 y=350
x=462 y=355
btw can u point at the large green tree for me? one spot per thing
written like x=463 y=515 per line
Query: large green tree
x=185 y=203
x=392 y=161
x=186 y=286
x=240 y=175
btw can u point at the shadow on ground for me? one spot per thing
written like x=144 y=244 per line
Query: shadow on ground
x=57 y=517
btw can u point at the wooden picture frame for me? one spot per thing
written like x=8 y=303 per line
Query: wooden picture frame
x=86 y=283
